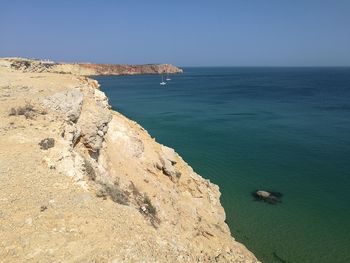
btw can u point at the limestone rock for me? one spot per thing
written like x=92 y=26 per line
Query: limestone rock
x=167 y=167
x=101 y=98
x=71 y=133
x=169 y=154
x=92 y=124
x=68 y=103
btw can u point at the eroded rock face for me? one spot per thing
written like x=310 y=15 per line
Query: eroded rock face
x=71 y=133
x=187 y=205
x=93 y=122
x=153 y=207
x=93 y=125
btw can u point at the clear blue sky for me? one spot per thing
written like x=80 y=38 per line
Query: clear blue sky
x=182 y=32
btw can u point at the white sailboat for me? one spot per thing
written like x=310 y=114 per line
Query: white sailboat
x=162 y=83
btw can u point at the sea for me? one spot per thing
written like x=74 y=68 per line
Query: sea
x=283 y=130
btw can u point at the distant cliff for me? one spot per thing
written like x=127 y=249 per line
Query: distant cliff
x=111 y=69
x=87 y=69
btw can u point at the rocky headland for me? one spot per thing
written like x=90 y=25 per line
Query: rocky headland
x=86 y=69
x=82 y=183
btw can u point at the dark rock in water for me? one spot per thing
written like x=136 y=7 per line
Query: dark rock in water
x=268 y=197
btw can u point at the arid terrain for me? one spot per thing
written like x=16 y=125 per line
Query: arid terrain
x=82 y=183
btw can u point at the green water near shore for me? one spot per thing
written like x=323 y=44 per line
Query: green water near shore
x=278 y=129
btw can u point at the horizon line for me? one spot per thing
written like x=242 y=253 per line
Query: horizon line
x=186 y=66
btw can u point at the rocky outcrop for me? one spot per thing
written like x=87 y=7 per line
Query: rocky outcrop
x=167 y=159
x=83 y=183
x=87 y=69
x=93 y=122
x=28 y=65
x=68 y=103
x=110 y=69
x=268 y=197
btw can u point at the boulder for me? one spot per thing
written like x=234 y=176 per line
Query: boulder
x=269 y=197
x=169 y=154
x=69 y=103
x=92 y=123
x=168 y=168
x=263 y=194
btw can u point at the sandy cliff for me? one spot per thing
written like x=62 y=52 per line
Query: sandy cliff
x=82 y=183
x=85 y=69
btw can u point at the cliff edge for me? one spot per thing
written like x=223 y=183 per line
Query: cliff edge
x=82 y=183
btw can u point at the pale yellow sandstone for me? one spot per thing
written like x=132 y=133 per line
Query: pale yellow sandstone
x=49 y=211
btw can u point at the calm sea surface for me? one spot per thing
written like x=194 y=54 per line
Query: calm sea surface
x=278 y=129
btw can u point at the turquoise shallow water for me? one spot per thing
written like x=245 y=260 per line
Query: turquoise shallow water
x=279 y=129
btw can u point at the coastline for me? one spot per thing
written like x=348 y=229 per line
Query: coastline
x=175 y=211
x=86 y=69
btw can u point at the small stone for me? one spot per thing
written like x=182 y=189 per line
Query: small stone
x=47 y=143
x=100 y=133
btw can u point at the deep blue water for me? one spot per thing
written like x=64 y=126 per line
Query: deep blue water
x=278 y=129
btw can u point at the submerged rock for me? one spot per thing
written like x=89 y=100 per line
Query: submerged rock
x=268 y=197
x=263 y=194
